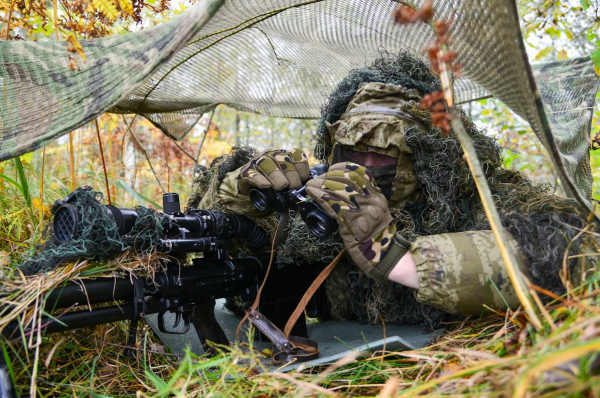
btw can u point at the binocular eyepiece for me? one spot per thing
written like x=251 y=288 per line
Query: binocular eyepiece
x=319 y=223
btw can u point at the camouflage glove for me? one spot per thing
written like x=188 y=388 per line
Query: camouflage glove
x=277 y=169
x=348 y=194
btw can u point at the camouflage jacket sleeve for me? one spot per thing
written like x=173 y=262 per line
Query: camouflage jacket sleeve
x=459 y=272
x=229 y=199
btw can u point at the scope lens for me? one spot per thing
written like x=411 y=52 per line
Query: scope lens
x=65 y=223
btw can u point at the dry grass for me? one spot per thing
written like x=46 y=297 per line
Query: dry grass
x=496 y=355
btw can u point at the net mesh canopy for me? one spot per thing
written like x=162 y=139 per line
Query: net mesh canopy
x=282 y=58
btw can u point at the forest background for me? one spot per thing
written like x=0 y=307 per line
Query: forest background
x=30 y=184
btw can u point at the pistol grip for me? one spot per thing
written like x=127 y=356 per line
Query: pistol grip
x=207 y=327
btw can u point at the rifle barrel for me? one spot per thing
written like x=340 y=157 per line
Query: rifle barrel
x=101 y=290
x=78 y=319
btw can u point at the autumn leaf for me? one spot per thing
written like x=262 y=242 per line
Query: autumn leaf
x=569 y=34
x=562 y=54
x=73 y=64
x=544 y=53
x=106 y=7
x=74 y=46
x=126 y=6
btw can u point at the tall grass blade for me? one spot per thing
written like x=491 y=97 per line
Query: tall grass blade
x=138 y=196
x=23 y=180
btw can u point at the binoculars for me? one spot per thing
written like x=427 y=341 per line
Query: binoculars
x=319 y=223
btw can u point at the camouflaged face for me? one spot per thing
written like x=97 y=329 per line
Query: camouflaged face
x=347 y=193
x=457 y=272
x=377 y=120
x=278 y=169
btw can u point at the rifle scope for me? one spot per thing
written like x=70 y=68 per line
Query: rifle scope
x=191 y=232
x=319 y=223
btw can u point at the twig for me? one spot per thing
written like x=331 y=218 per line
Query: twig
x=470 y=155
x=72 y=161
x=42 y=185
x=8 y=18
x=189 y=155
x=144 y=152
x=103 y=163
x=205 y=134
x=55 y=7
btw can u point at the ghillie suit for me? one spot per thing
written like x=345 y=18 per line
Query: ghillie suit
x=429 y=186
x=207 y=179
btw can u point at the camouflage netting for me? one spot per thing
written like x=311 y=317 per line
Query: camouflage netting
x=97 y=236
x=280 y=58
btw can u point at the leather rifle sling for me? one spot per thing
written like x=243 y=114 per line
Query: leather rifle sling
x=278 y=235
x=310 y=292
x=291 y=348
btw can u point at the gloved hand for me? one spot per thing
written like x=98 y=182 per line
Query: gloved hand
x=277 y=169
x=347 y=193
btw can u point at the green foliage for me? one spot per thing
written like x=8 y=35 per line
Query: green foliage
x=24 y=186
x=546 y=21
x=596 y=57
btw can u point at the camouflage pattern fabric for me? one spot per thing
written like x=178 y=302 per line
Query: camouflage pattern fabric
x=229 y=198
x=42 y=98
x=568 y=91
x=459 y=272
x=348 y=194
x=279 y=169
x=376 y=120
